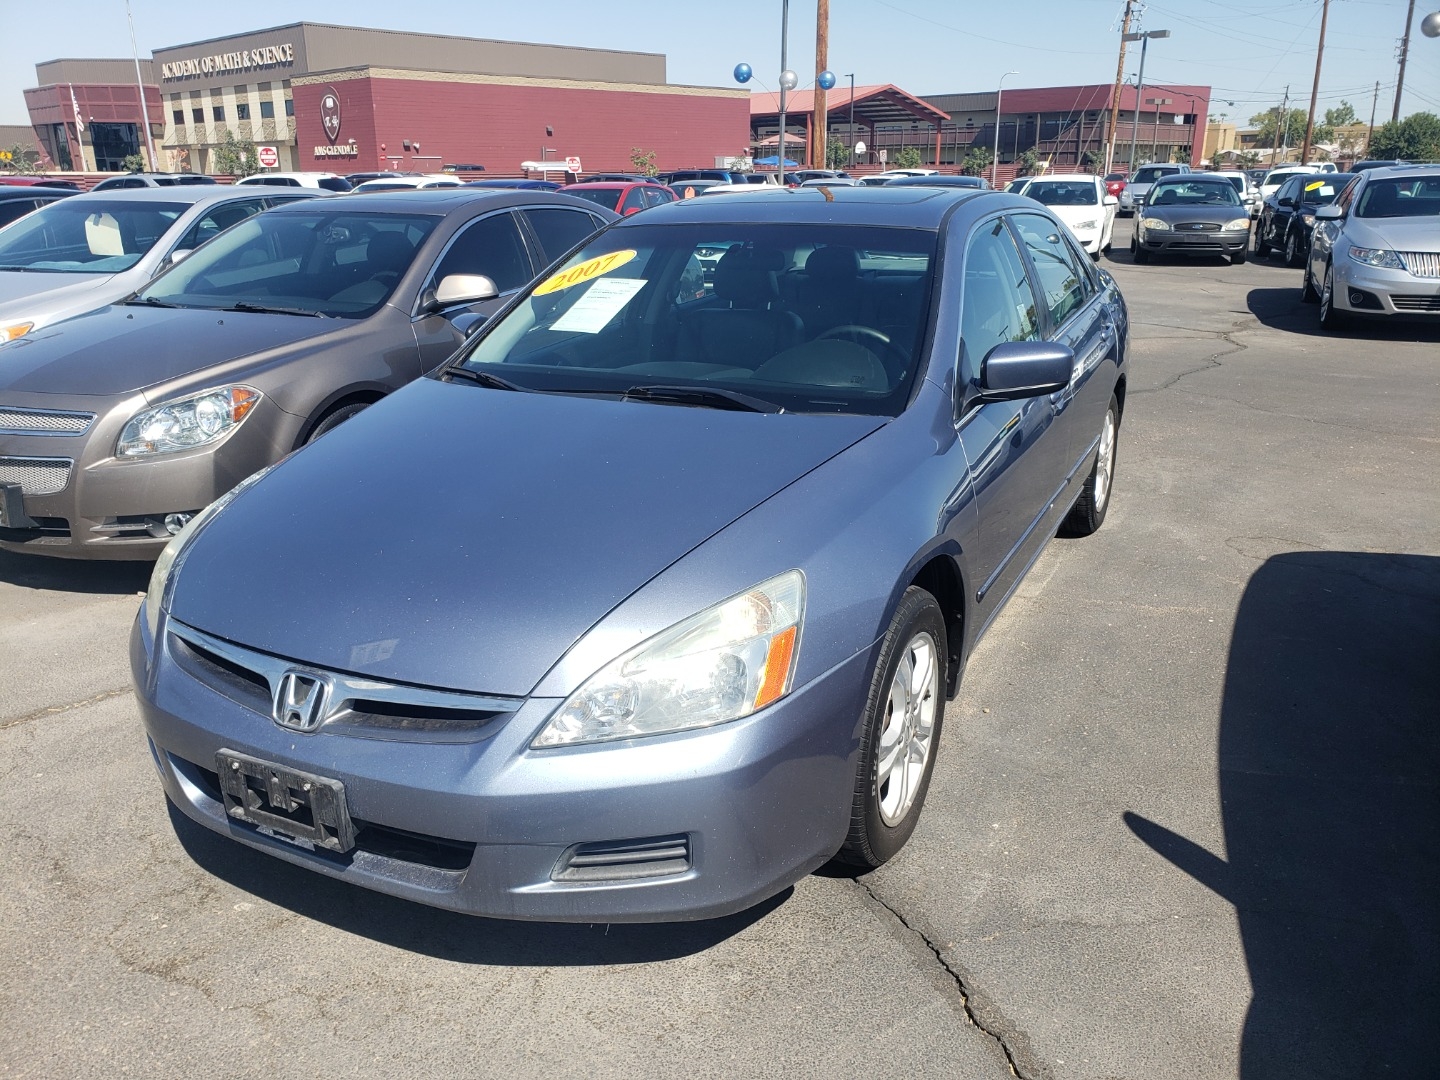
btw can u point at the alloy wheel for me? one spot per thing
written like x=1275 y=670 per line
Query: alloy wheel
x=1104 y=462
x=908 y=729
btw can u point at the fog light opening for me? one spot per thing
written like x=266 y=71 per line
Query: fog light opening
x=175 y=522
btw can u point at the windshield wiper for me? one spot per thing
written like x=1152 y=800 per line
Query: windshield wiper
x=261 y=309
x=149 y=301
x=712 y=397
x=480 y=378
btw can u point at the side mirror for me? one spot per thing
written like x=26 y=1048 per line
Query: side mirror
x=1286 y=201
x=463 y=289
x=630 y=210
x=1328 y=212
x=1023 y=369
x=180 y=255
x=1110 y=200
x=467 y=322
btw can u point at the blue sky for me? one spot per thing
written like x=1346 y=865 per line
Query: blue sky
x=1247 y=51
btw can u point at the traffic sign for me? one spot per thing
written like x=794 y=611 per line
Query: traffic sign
x=269 y=156
x=572 y=164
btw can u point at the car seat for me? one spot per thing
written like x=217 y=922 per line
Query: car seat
x=829 y=295
x=752 y=327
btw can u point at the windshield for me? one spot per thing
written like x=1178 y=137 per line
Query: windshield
x=1063 y=193
x=1275 y=179
x=609 y=198
x=1238 y=182
x=808 y=318
x=1409 y=196
x=1151 y=173
x=1323 y=190
x=339 y=264
x=1193 y=193
x=86 y=236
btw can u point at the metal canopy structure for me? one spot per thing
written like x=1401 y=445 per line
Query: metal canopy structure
x=881 y=104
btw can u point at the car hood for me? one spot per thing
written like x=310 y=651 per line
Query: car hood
x=121 y=348
x=1215 y=214
x=1073 y=215
x=1397 y=234
x=19 y=290
x=459 y=537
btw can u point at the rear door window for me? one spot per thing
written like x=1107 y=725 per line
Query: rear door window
x=491 y=246
x=559 y=230
x=218 y=220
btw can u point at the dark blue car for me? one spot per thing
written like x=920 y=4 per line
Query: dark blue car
x=647 y=603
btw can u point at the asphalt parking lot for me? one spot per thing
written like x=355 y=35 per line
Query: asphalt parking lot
x=1185 y=820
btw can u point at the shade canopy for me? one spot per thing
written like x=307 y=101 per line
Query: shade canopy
x=879 y=104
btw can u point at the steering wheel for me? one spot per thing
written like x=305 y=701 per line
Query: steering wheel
x=851 y=331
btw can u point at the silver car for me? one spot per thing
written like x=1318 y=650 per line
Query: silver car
x=1375 y=251
x=1139 y=185
x=84 y=252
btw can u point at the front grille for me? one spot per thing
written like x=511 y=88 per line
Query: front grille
x=1421 y=263
x=17 y=421
x=36 y=476
x=1416 y=303
x=625 y=860
x=1197 y=226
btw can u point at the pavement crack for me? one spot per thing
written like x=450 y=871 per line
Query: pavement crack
x=1211 y=361
x=56 y=710
x=981 y=1023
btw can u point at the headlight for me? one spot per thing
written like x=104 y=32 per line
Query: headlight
x=1087 y=225
x=189 y=422
x=724 y=663
x=1380 y=257
x=15 y=330
x=1154 y=224
x=1236 y=224
x=157 y=595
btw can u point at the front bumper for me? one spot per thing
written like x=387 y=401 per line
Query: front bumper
x=1180 y=242
x=759 y=802
x=112 y=508
x=1373 y=291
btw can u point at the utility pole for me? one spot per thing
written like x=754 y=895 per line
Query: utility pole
x=1404 y=55
x=819 y=133
x=1119 y=80
x=140 y=85
x=784 y=69
x=1282 y=113
x=1314 y=89
x=1374 y=101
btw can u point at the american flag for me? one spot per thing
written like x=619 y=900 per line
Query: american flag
x=79 y=124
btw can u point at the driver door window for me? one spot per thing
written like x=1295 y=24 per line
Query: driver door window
x=1064 y=283
x=491 y=246
x=998 y=304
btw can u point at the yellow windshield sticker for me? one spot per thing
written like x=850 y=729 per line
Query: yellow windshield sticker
x=585 y=271
x=1316 y=184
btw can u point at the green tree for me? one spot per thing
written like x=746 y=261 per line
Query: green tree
x=1340 y=116
x=643 y=161
x=1027 y=163
x=1276 y=126
x=19 y=159
x=837 y=154
x=1248 y=159
x=976 y=160
x=1416 y=138
x=235 y=157
x=907 y=157
x=133 y=163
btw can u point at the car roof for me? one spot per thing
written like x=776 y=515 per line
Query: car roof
x=904 y=207
x=29 y=191
x=1068 y=176
x=183 y=193
x=436 y=202
x=1197 y=176
x=260 y=176
x=607 y=185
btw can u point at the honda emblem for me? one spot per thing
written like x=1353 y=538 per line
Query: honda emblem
x=302 y=699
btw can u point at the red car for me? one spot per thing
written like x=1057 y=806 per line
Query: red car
x=1115 y=183
x=624 y=199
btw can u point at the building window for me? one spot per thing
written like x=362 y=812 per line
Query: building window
x=267 y=110
x=179 y=117
x=198 y=115
x=219 y=111
x=242 y=110
x=289 y=106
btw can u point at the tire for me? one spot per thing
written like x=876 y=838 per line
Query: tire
x=1330 y=319
x=1141 y=255
x=1308 y=294
x=906 y=707
x=1262 y=248
x=1238 y=258
x=1293 y=254
x=1088 y=513
x=334 y=419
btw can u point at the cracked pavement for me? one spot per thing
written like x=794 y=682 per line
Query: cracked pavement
x=1091 y=893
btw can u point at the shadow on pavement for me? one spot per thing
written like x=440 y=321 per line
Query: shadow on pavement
x=445 y=935
x=1329 y=773
x=1282 y=309
x=74 y=575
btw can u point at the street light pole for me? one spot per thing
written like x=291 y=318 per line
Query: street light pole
x=784 y=69
x=851 y=77
x=1144 y=39
x=999 y=99
x=140 y=85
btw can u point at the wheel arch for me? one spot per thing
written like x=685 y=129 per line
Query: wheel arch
x=940 y=576
x=351 y=395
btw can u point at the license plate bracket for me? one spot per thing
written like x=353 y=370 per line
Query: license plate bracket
x=294 y=804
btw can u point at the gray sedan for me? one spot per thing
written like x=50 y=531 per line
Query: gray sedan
x=117 y=426
x=91 y=250
x=1192 y=214
x=647 y=603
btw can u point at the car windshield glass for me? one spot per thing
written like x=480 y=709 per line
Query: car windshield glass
x=1150 y=174
x=1063 y=192
x=1407 y=196
x=606 y=197
x=809 y=318
x=1193 y=193
x=340 y=264
x=1322 y=190
x=1275 y=179
x=88 y=236
x=1237 y=182
x=1110 y=178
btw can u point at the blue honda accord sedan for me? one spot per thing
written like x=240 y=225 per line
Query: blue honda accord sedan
x=648 y=601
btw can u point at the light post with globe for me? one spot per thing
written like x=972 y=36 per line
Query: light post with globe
x=788 y=82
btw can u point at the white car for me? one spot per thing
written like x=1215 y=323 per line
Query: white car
x=325 y=181
x=1081 y=202
x=1278 y=175
x=408 y=183
x=891 y=174
x=831 y=181
x=1248 y=192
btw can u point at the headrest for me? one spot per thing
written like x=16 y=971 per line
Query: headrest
x=833 y=264
x=745 y=277
x=389 y=250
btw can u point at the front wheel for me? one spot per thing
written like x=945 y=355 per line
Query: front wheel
x=901 y=732
x=1140 y=254
x=1088 y=513
x=1293 y=254
x=1237 y=258
x=335 y=419
x=1330 y=318
x=1262 y=247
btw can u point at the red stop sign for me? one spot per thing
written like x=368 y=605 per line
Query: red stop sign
x=269 y=156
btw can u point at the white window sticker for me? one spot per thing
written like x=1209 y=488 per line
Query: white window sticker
x=602 y=302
